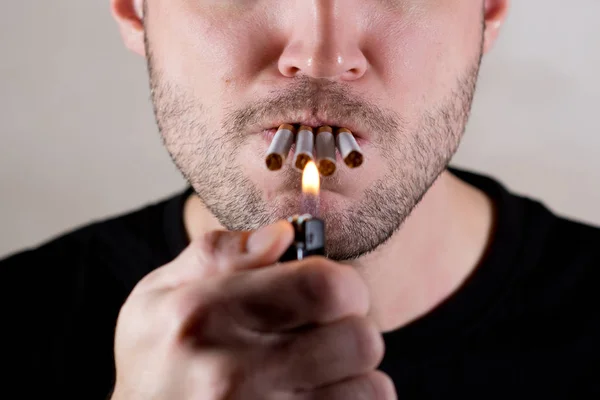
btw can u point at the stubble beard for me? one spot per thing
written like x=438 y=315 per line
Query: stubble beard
x=414 y=157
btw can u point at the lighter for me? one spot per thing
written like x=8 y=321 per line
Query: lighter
x=309 y=238
x=309 y=230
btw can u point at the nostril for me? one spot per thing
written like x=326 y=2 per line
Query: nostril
x=291 y=71
x=353 y=73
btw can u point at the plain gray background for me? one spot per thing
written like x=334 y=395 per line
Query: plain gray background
x=79 y=141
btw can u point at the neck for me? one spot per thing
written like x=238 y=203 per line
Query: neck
x=437 y=248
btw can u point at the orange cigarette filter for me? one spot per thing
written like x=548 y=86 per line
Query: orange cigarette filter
x=320 y=147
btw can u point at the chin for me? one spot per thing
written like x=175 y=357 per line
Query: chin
x=331 y=201
x=286 y=204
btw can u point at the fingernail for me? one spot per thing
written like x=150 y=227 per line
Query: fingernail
x=264 y=238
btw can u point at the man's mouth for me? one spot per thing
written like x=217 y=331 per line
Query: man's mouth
x=327 y=145
x=361 y=138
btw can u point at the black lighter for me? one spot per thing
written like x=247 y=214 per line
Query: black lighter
x=309 y=238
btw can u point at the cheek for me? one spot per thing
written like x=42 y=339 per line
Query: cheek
x=428 y=51
x=213 y=55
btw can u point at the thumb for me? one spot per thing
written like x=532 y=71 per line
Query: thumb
x=221 y=252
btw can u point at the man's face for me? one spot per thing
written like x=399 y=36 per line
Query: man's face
x=399 y=73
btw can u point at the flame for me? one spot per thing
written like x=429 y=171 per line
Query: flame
x=310 y=179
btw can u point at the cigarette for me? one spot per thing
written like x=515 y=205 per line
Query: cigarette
x=305 y=140
x=348 y=148
x=280 y=147
x=325 y=150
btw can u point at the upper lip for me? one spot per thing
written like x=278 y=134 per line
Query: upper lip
x=316 y=122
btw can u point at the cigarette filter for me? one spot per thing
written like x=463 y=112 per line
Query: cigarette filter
x=304 y=147
x=325 y=150
x=309 y=238
x=280 y=147
x=348 y=148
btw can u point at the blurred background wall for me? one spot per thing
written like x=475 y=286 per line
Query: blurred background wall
x=79 y=143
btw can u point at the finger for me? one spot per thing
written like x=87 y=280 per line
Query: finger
x=226 y=251
x=220 y=252
x=324 y=355
x=291 y=295
x=374 y=385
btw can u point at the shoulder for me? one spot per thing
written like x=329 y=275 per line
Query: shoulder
x=554 y=260
x=135 y=238
x=558 y=257
x=553 y=292
x=575 y=241
x=556 y=245
x=62 y=298
x=568 y=257
x=545 y=236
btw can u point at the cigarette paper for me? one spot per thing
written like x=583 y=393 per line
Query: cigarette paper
x=325 y=150
x=280 y=147
x=305 y=140
x=348 y=148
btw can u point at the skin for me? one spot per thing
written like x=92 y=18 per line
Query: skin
x=404 y=62
x=213 y=324
x=213 y=98
x=401 y=74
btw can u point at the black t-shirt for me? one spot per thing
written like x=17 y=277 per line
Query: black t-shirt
x=524 y=325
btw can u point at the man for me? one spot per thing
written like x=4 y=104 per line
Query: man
x=438 y=283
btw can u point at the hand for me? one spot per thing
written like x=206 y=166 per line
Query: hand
x=221 y=322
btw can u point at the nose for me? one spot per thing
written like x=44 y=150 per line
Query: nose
x=324 y=42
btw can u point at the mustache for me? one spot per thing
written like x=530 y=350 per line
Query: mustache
x=320 y=97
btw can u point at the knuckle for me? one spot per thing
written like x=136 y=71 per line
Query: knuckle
x=205 y=246
x=138 y=325
x=171 y=311
x=218 y=377
x=382 y=385
x=138 y=311
x=217 y=248
x=146 y=281
x=318 y=283
x=180 y=309
x=152 y=280
x=374 y=385
x=129 y=313
x=333 y=288
x=319 y=287
x=361 y=387
x=368 y=342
